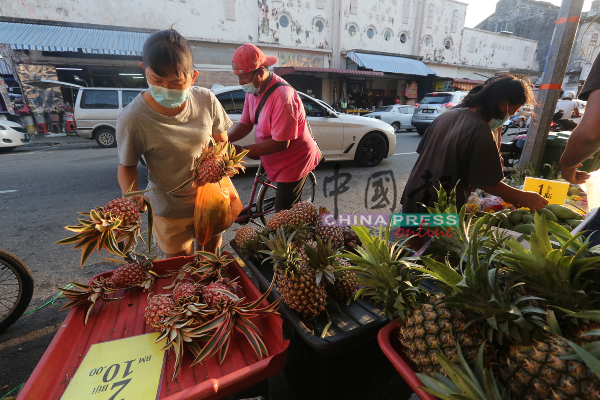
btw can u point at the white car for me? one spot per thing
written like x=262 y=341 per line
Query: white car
x=398 y=116
x=340 y=136
x=12 y=135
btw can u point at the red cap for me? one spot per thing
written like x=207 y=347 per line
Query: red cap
x=249 y=58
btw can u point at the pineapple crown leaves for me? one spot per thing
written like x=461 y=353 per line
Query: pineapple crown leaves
x=323 y=261
x=218 y=332
x=89 y=294
x=556 y=274
x=446 y=203
x=475 y=288
x=464 y=383
x=384 y=278
x=281 y=252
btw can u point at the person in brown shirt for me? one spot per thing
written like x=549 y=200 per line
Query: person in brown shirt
x=459 y=150
x=584 y=141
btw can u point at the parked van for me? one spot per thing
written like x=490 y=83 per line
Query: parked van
x=96 y=111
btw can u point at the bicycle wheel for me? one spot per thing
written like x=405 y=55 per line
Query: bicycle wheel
x=17 y=288
x=266 y=196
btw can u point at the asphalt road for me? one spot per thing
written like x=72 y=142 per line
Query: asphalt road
x=42 y=188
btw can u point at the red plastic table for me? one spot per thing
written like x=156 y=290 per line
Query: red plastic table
x=391 y=347
x=125 y=318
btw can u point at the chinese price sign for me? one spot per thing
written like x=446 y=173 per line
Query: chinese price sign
x=124 y=369
x=553 y=191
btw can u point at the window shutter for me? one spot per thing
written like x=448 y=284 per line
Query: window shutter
x=473 y=44
x=321 y=4
x=406 y=12
x=430 y=16
x=354 y=7
x=230 y=10
x=455 y=21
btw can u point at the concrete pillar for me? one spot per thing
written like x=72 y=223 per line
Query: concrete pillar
x=418 y=27
x=336 y=32
x=554 y=73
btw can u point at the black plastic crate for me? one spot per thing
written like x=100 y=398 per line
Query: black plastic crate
x=352 y=324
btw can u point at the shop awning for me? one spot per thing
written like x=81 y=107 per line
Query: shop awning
x=66 y=38
x=391 y=64
x=290 y=70
x=4 y=68
x=466 y=84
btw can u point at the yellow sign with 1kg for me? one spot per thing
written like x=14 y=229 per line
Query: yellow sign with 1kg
x=124 y=369
x=553 y=191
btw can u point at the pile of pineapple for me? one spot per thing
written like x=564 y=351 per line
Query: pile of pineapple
x=201 y=313
x=525 y=320
x=308 y=263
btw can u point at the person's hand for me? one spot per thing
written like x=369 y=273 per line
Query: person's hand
x=572 y=175
x=139 y=200
x=238 y=148
x=532 y=200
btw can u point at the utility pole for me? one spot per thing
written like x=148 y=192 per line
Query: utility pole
x=552 y=79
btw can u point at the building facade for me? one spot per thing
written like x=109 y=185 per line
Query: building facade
x=333 y=37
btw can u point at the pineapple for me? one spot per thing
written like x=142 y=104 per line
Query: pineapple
x=214 y=298
x=245 y=234
x=303 y=211
x=296 y=282
x=116 y=222
x=158 y=310
x=186 y=292
x=212 y=266
x=345 y=285
x=278 y=220
x=327 y=234
x=99 y=289
x=303 y=234
x=350 y=239
x=215 y=163
x=137 y=273
x=538 y=371
x=302 y=252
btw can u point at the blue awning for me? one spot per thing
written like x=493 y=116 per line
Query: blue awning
x=67 y=38
x=4 y=68
x=392 y=64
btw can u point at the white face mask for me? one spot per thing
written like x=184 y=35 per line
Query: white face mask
x=249 y=87
x=170 y=98
x=497 y=123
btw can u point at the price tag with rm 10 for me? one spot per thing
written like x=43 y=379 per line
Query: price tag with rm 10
x=125 y=369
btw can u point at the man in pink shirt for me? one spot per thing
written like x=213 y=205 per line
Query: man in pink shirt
x=283 y=141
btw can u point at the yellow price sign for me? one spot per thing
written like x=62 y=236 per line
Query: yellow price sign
x=124 y=369
x=553 y=191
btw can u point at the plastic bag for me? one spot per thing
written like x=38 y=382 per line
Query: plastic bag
x=217 y=207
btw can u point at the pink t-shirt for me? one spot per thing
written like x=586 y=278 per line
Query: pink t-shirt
x=283 y=118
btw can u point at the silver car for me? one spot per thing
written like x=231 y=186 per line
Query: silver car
x=432 y=106
x=398 y=116
x=96 y=111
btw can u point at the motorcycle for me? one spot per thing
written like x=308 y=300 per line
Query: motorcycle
x=515 y=121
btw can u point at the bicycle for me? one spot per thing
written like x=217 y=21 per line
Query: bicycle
x=265 y=203
x=17 y=288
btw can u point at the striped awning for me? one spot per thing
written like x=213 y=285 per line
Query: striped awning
x=391 y=64
x=466 y=84
x=4 y=68
x=66 y=38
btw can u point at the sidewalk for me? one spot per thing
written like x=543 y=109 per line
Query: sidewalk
x=41 y=140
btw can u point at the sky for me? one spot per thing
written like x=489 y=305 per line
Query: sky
x=479 y=10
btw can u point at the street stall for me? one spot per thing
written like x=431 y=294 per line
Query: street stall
x=120 y=316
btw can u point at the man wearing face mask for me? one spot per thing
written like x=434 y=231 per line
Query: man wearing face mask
x=169 y=125
x=282 y=137
x=459 y=149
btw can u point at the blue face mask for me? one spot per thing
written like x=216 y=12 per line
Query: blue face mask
x=497 y=123
x=249 y=87
x=170 y=98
